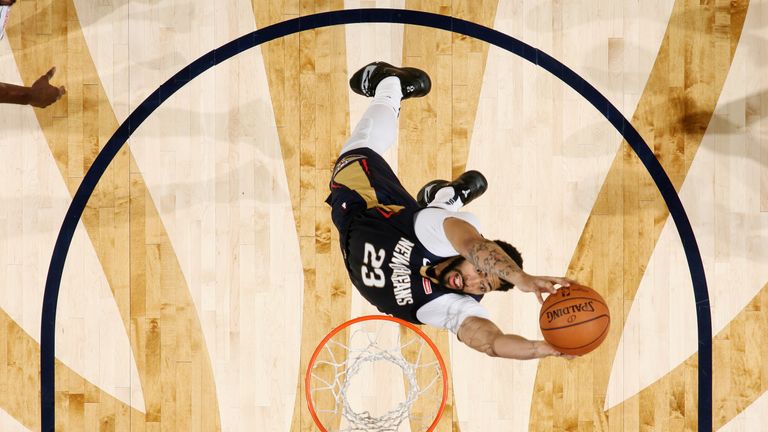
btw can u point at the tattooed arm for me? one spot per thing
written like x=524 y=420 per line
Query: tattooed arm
x=483 y=335
x=491 y=259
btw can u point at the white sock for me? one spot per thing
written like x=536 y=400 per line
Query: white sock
x=447 y=198
x=389 y=93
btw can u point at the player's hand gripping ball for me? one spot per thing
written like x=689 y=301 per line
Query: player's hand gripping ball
x=575 y=319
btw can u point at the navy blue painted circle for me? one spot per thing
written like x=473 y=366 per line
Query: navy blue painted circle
x=351 y=16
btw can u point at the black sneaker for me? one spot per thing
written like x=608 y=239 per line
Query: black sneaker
x=414 y=82
x=467 y=187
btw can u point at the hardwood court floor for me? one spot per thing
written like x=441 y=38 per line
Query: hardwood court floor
x=206 y=268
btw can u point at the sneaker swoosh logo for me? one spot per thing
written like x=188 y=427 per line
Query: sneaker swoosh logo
x=366 y=78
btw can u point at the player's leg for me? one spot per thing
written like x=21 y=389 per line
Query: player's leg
x=377 y=128
x=388 y=85
x=361 y=178
x=453 y=195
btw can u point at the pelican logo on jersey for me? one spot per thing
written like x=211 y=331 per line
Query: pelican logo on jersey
x=557 y=313
x=401 y=271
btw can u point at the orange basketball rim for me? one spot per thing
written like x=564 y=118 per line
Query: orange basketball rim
x=343 y=368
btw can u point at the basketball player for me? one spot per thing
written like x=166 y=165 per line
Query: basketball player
x=421 y=260
x=41 y=93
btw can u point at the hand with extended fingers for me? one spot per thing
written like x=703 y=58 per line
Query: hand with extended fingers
x=40 y=94
x=541 y=284
x=544 y=349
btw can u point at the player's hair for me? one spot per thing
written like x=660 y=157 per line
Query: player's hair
x=516 y=257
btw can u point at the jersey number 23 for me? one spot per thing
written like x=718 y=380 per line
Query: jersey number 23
x=373 y=277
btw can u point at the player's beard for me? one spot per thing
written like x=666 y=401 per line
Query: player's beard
x=443 y=277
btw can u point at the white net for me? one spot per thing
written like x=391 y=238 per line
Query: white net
x=373 y=376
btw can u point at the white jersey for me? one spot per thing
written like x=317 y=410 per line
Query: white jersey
x=449 y=310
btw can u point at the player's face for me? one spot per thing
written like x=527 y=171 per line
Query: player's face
x=461 y=275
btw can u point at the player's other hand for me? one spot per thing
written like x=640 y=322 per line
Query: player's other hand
x=42 y=93
x=541 y=284
x=544 y=349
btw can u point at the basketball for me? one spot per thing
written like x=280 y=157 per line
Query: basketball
x=575 y=319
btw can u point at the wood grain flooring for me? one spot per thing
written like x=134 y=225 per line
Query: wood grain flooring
x=206 y=268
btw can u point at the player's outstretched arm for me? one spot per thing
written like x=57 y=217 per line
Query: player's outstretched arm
x=490 y=259
x=40 y=94
x=483 y=335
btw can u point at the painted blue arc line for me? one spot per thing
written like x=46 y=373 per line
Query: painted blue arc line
x=352 y=16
